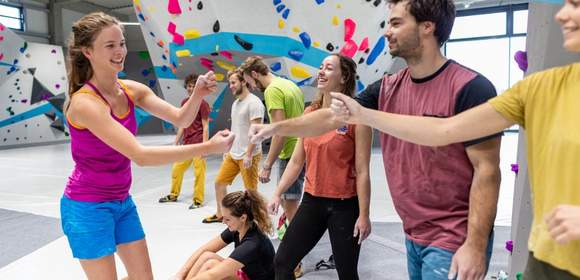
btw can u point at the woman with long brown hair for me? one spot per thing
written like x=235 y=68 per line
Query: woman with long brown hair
x=98 y=215
x=337 y=183
x=246 y=215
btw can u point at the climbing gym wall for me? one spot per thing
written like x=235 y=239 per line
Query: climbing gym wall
x=138 y=67
x=293 y=37
x=33 y=84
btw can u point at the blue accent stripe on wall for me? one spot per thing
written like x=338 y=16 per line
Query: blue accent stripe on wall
x=27 y=115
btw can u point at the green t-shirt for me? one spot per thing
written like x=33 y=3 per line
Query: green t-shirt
x=284 y=94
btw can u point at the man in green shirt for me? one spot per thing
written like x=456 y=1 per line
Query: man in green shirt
x=284 y=100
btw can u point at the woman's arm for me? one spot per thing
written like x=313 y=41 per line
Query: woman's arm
x=213 y=246
x=182 y=117
x=87 y=111
x=225 y=269
x=363 y=142
x=291 y=172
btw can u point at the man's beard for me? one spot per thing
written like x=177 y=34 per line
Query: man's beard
x=409 y=48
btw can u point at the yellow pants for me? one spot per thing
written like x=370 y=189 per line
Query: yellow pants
x=179 y=169
x=230 y=168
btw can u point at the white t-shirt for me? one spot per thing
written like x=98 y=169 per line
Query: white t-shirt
x=243 y=112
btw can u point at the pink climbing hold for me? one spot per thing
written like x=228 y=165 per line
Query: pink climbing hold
x=173 y=7
x=1 y=56
x=227 y=54
x=205 y=62
x=178 y=39
x=1 y=27
x=364 y=44
x=349 y=49
x=171 y=27
x=349 y=28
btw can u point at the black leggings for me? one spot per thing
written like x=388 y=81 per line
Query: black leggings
x=315 y=215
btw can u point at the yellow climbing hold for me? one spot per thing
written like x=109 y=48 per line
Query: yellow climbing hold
x=219 y=76
x=295 y=29
x=316 y=44
x=338 y=6
x=299 y=72
x=226 y=66
x=281 y=24
x=137 y=2
x=335 y=20
x=182 y=53
x=191 y=34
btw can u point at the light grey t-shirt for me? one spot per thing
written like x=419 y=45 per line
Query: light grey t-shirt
x=243 y=112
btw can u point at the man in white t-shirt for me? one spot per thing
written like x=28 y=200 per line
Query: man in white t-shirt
x=244 y=157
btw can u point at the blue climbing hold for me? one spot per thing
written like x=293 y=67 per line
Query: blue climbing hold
x=276 y=2
x=296 y=55
x=275 y=66
x=305 y=39
x=377 y=50
x=280 y=8
x=319 y=2
x=286 y=13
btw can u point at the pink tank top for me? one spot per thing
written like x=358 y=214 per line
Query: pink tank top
x=100 y=173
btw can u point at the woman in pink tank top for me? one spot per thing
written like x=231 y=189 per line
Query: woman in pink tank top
x=98 y=215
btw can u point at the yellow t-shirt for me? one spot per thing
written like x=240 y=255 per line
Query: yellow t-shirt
x=547 y=105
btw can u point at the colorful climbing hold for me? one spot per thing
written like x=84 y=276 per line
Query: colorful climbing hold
x=219 y=76
x=349 y=49
x=349 y=28
x=171 y=27
x=364 y=44
x=306 y=41
x=296 y=54
x=191 y=34
x=521 y=58
x=377 y=50
x=281 y=23
x=216 y=26
x=335 y=20
x=243 y=43
x=182 y=53
x=226 y=66
x=286 y=13
x=227 y=54
x=178 y=39
x=299 y=72
x=275 y=66
x=173 y=7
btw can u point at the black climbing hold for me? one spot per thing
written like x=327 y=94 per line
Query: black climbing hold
x=245 y=44
x=200 y=5
x=330 y=47
x=216 y=26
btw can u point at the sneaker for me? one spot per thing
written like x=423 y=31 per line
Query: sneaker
x=168 y=198
x=194 y=205
x=212 y=219
x=298 y=271
x=282 y=226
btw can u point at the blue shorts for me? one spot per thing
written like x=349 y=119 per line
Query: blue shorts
x=294 y=192
x=94 y=229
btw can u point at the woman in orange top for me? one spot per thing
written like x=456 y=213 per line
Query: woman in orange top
x=337 y=183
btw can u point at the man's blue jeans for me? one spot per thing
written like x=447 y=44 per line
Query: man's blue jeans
x=433 y=263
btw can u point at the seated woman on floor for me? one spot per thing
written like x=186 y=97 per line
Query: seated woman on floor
x=246 y=216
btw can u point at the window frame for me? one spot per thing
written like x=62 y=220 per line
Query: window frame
x=508 y=9
x=20 y=18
